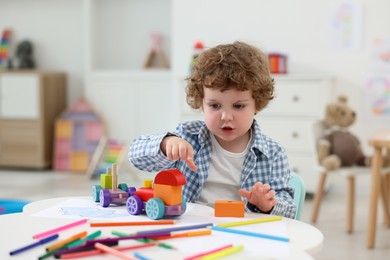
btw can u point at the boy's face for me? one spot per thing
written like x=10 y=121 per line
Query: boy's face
x=229 y=116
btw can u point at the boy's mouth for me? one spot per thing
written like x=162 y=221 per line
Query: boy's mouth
x=227 y=128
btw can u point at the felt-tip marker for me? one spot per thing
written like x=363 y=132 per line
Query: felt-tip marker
x=38 y=243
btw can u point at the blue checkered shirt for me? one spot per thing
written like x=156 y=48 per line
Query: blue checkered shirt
x=265 y=162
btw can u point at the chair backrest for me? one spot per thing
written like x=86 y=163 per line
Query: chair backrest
x=299 y=193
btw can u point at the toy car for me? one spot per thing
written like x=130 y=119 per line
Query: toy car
x=163 y=199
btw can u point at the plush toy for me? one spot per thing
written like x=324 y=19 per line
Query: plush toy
x=339 y=147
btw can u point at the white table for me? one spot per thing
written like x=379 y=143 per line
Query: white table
x=17 y=230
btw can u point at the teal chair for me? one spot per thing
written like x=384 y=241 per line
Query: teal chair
x=299 y=193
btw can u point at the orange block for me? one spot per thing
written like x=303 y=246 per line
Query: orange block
x=229 y=208
x=79 y=161
x=170 y=195
x=63 y=129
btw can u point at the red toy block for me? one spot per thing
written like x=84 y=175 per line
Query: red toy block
x=170 y=177
x=229 y=208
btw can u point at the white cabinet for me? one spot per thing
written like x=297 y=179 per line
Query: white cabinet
x=299 y=101
x=132 y=104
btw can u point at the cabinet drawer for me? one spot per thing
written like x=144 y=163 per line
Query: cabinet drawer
x=299 y=98
x=19 y=131
x=20 y=143
x=293 y=134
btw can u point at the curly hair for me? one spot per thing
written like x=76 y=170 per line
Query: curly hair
x=231 y=66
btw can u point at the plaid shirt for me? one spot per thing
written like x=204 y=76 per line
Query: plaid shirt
x=265 y=162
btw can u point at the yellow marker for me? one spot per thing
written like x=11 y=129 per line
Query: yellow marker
x=223 y=253
x=66 y=241
x=248 y=222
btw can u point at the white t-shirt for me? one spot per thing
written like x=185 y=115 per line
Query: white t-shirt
x=224 y=174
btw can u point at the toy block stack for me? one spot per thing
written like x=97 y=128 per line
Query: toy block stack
x=4 y=48
x=77 y=135
x=168 y=186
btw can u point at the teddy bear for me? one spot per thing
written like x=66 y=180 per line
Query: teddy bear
x=339 y=147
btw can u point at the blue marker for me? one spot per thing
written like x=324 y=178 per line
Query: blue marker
x=38 y=243
x=247 y=233
x=140 y=256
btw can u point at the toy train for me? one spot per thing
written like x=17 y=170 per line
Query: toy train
x=163 y=198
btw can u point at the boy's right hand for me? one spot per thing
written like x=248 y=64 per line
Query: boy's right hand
x=176 y=148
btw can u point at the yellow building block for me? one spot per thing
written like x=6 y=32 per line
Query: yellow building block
x=148 y=183
x=229 y=208
x=170 y=195
x=106 y=181
x=63 y=129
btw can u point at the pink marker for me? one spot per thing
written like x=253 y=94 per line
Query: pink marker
x=59 y=229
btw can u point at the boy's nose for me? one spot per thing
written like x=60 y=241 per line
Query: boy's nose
x=226 y=115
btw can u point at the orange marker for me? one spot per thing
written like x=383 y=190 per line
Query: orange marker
x=187 y=234
x=66 y=241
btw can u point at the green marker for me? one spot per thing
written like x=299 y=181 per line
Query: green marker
x=143 y=240
x=79 y=242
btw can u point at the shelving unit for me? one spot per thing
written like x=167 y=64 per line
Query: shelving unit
x=118 y=33
x=118 y=42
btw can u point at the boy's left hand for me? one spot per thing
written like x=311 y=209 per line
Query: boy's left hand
x=261 y=196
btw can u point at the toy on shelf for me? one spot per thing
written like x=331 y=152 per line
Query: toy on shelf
x=229 y=208
x=108 y=152
x=277 y=63
x=24 y=55
x=158 y=199
x=198 y=48
x=77 y=135
x=156 y=56
x=163 y=199
x=109 y=192
x=4 y=48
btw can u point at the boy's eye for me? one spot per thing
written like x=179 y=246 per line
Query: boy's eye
x=238 y=106
x=215 y=106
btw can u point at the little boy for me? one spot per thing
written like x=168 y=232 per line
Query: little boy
x=226 y=156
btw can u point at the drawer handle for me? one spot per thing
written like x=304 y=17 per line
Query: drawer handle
x=295 y=135
x=296 y=98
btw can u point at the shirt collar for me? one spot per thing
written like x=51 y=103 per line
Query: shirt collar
x=259 y=142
